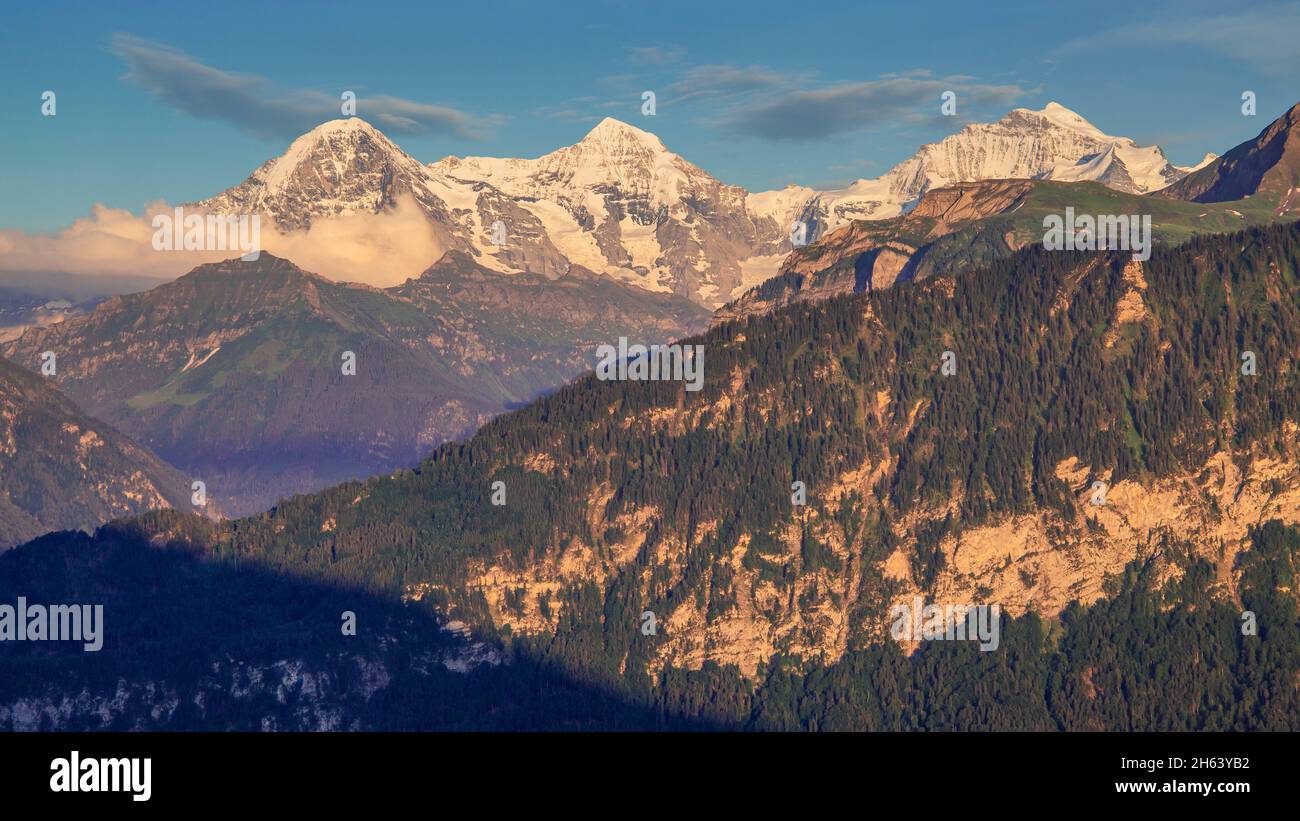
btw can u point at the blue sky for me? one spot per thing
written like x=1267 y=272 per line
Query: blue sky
x=155 y=104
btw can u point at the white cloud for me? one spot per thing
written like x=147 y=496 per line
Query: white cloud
x=376 y=249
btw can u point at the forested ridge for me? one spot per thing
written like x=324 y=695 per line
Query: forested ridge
x=1049 y=365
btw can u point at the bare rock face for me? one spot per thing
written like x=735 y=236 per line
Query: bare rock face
x=965 y=202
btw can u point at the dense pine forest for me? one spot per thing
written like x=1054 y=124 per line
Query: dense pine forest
x=1043 y=372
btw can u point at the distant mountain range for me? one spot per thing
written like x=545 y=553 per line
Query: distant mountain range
x=1054 y=143
x=965 y=224
x=234 y=372
x=618 y=202
x=46 y=297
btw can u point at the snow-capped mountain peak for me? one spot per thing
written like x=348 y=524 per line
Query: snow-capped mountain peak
x=343 y=125
x=1050 y=143
x=620 y=202
x=612 y=153
x=1060 y=116
x=610 y=132
x=339 y=167
x=1209 y=157
x=341 y=142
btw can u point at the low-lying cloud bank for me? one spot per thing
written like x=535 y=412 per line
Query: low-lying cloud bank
x=376 y=249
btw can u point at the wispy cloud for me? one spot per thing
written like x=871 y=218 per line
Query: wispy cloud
x=656 y=55
x=1265 y=38
x=725 y=80
x=587 y=109
x=255 y=106
x=809 y=114
x=781 y=105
